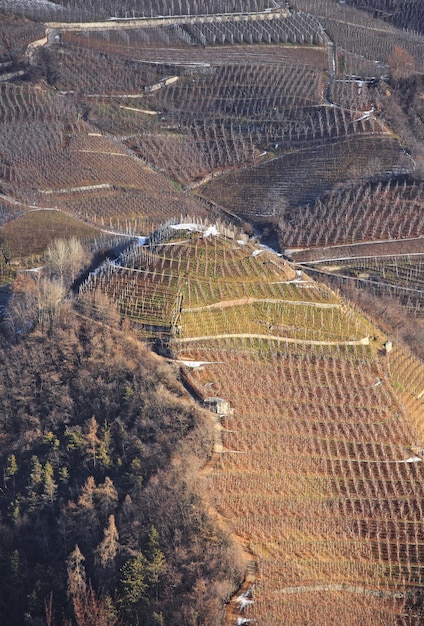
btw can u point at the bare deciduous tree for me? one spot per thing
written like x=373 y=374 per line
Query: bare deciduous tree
x=35 y=301
x=64 y=258
x=401 y=63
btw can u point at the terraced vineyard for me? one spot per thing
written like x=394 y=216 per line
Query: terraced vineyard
x=317 y=481
x=409 y=15
x=314 y=470
x=51 y=159
x=369 y=38
x=275 y=112
x=255 y=28
x=387 y=210
x=264 y=190
x=317 y=468
x=193 y=272
x=275 y=117
x=398 y=276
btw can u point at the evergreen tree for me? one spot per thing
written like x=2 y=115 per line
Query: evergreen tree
x=10 y=470
x=133 y=584
x=36 y=474
x=157 y=561
x=92 y=440
x=50 y=487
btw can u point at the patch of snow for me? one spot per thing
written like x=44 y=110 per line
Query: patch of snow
x=243 y=602
x=143 y=241
x=412 y=459
x=365 y=116
x=256 y=252
x=268 y=249
x=34 y=269
x=194 y=364
x=242 y=620
x=212 y=231
x=241 y=242
x=197 y=228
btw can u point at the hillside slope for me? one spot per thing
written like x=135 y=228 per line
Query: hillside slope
x=317 y=466
x=101 y=519
x=294 y=494
x=317 y=473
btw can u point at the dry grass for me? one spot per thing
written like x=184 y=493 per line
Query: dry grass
x=29 y=235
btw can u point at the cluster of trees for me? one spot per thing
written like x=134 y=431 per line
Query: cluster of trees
x=101 y=521
x=36 y=296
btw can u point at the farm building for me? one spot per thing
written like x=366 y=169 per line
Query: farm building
x=217 y=405
x=388 y=346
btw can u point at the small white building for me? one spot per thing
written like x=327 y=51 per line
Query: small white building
x=217 y=405
x=388 y=346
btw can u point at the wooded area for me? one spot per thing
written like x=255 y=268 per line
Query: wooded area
x=102 y=521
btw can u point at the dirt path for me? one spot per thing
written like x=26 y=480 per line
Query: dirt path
x=310 y=342
x=243 y=593
x=164 y=20
x=225 y=304
x=31 y=207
